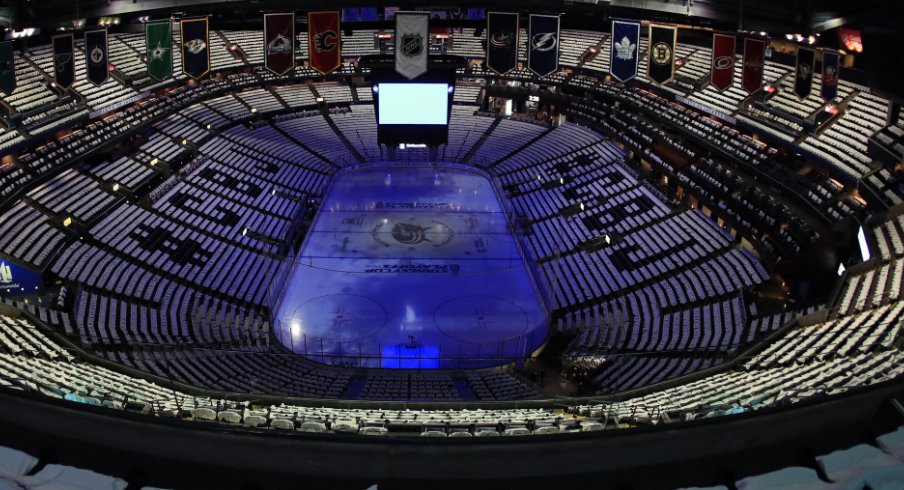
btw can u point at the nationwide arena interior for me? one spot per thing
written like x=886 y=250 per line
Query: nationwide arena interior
x=593 y=243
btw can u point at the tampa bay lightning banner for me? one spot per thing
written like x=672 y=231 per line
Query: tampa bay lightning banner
x=16 y=280
x=63 y=60
x=661 y=62
x=502 y=41
x=279 y=43
x=411 y=43
x=543 y=44
x=625 y=50
x=803 y=80
x=830 y=72
x=7 y=68
x=96 y=56
x=195 y=47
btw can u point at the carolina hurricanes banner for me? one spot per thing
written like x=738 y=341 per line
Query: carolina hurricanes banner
x=625 y=50
x=803 y=79
x=158 y=37
x=7 y=68
x=411 y=43
x=661 y=62
x=723 y=61
x=96 y=56
x=279 y=43
x=754 y=61
x=830 y=72
x=324 y=41
x=63 y=60
x=195 y=47
x=502 y=41
x=543 y=44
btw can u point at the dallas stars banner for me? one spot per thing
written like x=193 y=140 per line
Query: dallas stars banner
x=661 y=58
x=754 y=61
x=158 y=37
x=63 y=60
x=723 y=61
x=411 y=43
x=324 y=41
x=830 y=72
x=195 y=47
x=803 y=79
x=279 y=43
x=96 y=56
x=543 y=44
x=7 y=68
x=625 y=50
x=502 y=41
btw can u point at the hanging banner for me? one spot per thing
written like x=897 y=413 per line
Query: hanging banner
x=324 y=41
x=723 y=61
x=96 y=57
x=803 y=79
x=158 y=38
x=625 y=50
x=830 y=73
x=63 y=60
x=661 y=60
x=502 y=41
x=195 y=47
x=543 y=44
x=7 y=68
x=18 y=280
x=754 y=62
x=411 y=30
x=279 y=43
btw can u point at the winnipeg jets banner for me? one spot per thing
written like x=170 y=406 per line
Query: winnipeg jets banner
x=543 y=44
x=63 y=60
x=279 y=43
x=502 y=41
x=723 y=61
x=754 y=61
x=96 y=56
x=661 y=62
x=803 y=79
x=158 y=37
x=411 y=43
x=324 y=41
x=829 y=75
x=7 y=68
x=625 y=50
x=195 y=47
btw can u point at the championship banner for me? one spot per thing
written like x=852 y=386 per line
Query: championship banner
x=411 y=43
x=279 y=43
x=803 y=79
x=96 y=56
x=625 y=50
x=723 y=61
x=502 y=41
x=543 y=44
x=158 y=38
x=63 y=60
x=7 y=68
x=754 y=62
x=195 y=47
x=661 y=61
x=830 y=72
x=324 y=41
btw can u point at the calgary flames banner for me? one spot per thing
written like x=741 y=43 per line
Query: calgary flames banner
x=830 y=72
x=803 y=79
x=195 y=47
x=502 y=41
x=625 y=50
x=279 y=43
x=324 y=41
x=96 y=56
x=754 y=61
x=723 y=61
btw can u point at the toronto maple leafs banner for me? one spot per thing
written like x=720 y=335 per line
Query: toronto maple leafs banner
x=324 y=41
x=158 y=37
x=7 y=68
x=63 y=60
x=411 y=43
x=96 y=56
x=625 y=50
x=279 y=43
x=661 y=62
x=754 y=61
x=543 y=44
x=723 y=61
x=803 y=79
x=195 y=47
x=830 y=62
x=502 y=41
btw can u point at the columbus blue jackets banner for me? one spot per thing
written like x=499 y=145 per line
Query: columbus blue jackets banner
x=279 y=43
x=15 y=280
x=411 y=43
x=502 y=41
x=829 y=75
x=543 y=44
x=754 y=63
x=803 y=79
x=63 y=60
x=661 y=60
x=195 y=47
x=324 y=41
x=158 y=37
x=625 y=50
x=723 y=61
x=96 y=56
x=7 y=68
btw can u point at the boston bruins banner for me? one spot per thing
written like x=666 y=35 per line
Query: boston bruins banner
x=829 y=75
x=625 y=50
x=96 y=56
x=661 y=60
x=543 y=44
x=324 y=41
x=723 y=61
x=63 y=60
x=195 y=47
x=502 y=41
x=411 y=43
x=279 y=43
x=803 y=79
x=158 y=37
x=754 y=61
x=7 y=68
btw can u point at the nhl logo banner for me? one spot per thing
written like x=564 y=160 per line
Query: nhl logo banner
x=625 y=50
x=803 y=79
x=723 y=61
x=7 y=68
x=543 y=44
x=502 y=41
x=411 y=43
x=324 y=41
x=63 y=60
x=661 y=62
x=158 y=37
x=830 y=61
x=195 y=47
x=96 y=56
x=754 y=61
x=279 y=43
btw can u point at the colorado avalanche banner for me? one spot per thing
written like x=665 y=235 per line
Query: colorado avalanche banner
x=502 y=41
x=279 y=43
x=195 y=47
x=661 y=62
x=803 y=79
x=7 y=68
x=96 y=56
x=411 y=43
x=754 y=61
x=158 y=37
x=63 y=60
x=543 y=44
x=324 y=41
x=723 y=61
x=625 y=50
x=830 y=61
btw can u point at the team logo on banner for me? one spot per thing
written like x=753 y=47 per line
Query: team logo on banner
x=803 y=77
x=96 y=56
x=661 y=63
x=625 y=50
x=195 y=47
x=7 y=68
x=502 y=41
x=830 y=72
x=754 y=61
x=279 y=43
x=324 y=41
x=543 y=44
x=723 y=61
x=158 y=36
x=63 y=60
x=410 y=43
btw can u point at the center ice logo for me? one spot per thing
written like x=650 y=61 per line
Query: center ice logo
x=409 y=234
x=437 y=234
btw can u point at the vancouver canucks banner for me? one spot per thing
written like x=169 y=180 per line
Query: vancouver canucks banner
x=502 y=41
x=723 y=61
x=803 y=79
x=754 y=61
x=279 y=43
x=158 y=37
x=829 y=75
x=411 y=43
x=661 y=62
x=96 y=56
x=543 y=44
x=63 y=60
x=324 y=41
x=625 y=50
x=7 y=68
x=195 y=47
